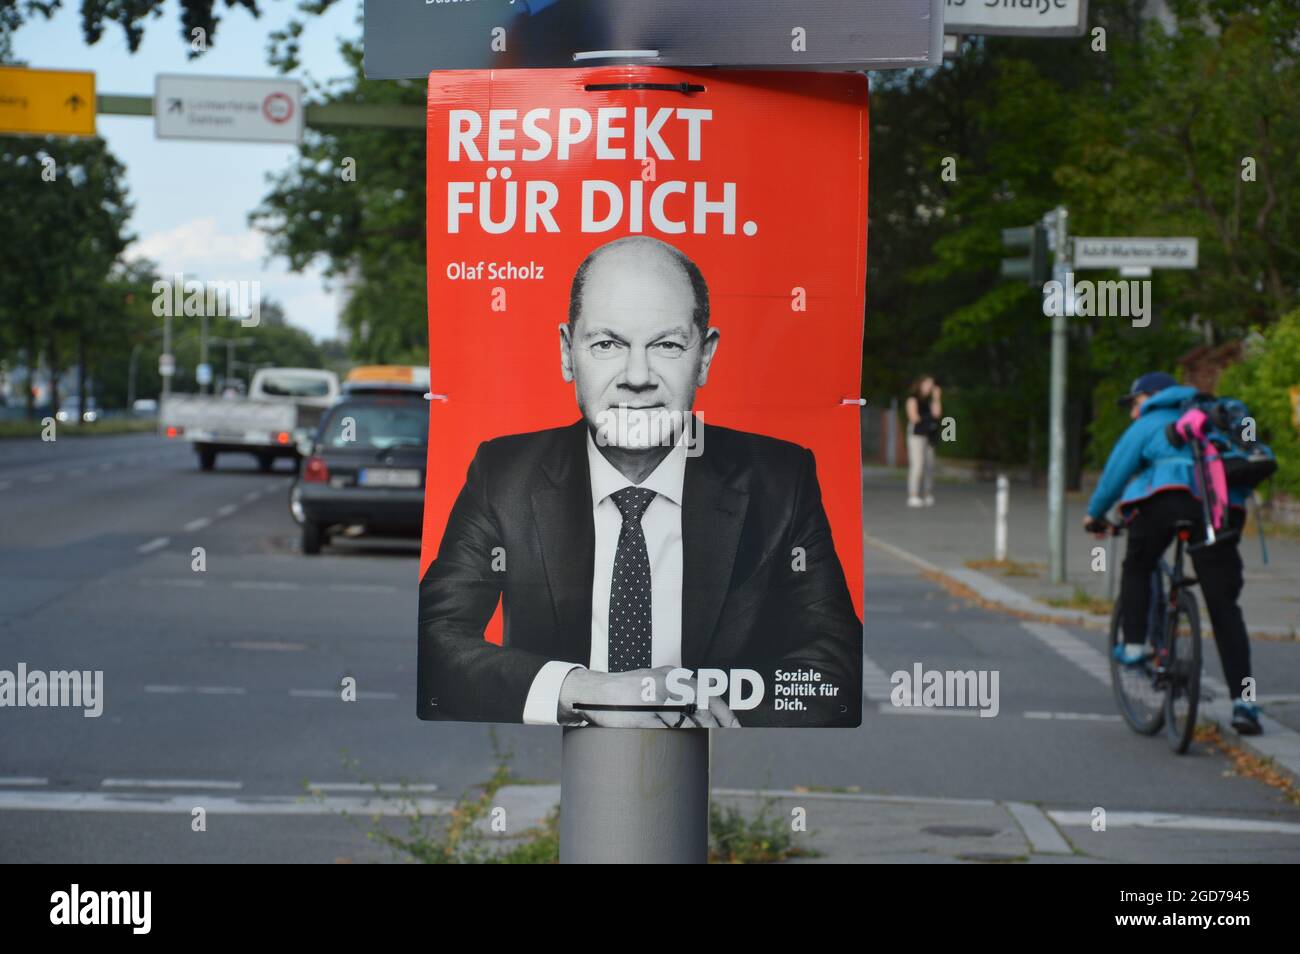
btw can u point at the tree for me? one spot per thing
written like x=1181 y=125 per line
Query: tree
x=63 y=212
x=1265 y=380
x=97 y=15
x=355 y=203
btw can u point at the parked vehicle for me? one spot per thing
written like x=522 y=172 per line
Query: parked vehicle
x=283 y=407
x=379 y=378
x=365 y=468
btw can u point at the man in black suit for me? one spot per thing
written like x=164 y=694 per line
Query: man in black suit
x=620 y=559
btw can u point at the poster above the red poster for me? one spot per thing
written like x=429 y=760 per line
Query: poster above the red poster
x=646 y=293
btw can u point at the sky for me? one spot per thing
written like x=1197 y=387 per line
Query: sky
x=192 y=199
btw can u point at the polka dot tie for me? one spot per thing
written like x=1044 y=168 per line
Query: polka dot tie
x=629 y=590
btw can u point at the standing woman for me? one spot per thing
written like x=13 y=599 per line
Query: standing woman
x=924 y=411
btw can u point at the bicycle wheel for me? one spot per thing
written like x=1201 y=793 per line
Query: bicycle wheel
x=1140 y=699
x=1183 y=676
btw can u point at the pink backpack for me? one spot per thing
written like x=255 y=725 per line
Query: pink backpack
x=1193 y=428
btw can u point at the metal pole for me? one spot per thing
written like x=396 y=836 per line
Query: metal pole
x=130 y=377
x=166 y=378
x=1000 y=527
x=891 y=434
x=203 y=353
x=1058 y=220
x=634 y=796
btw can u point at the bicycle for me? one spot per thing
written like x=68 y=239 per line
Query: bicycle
x=1164 y=690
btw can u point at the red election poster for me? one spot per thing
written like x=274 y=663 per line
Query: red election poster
x=646 y=294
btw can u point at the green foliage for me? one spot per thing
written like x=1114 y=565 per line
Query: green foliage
x=1264 y=381
x=1148 y=138
x=63 y=213
x=355 y=203
x=736 y=839
x=129 y=15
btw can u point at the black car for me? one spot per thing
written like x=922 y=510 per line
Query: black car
x=366 y=468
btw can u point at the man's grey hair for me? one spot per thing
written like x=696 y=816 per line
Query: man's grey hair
x=699 y=287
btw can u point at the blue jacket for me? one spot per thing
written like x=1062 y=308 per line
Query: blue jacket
x=1143 y=462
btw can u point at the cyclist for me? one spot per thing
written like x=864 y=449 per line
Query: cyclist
x=1154 y=484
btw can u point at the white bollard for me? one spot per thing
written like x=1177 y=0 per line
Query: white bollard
x=1000 y=527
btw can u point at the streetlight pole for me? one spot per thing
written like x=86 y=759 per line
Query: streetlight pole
x=1057 y=222
x=130 y=376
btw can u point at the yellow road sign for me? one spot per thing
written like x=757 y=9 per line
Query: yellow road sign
x=47 y=102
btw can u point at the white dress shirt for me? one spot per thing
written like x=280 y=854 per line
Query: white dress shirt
x=662 y=525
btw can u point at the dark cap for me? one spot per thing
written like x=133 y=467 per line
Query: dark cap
x=1148 y=384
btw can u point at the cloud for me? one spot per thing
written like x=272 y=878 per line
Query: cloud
x=199 y=246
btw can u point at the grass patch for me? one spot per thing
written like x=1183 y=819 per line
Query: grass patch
x=109 y=426
x=735 y=839
x=1081 y=599
x=1006 y=567
x=462 y=835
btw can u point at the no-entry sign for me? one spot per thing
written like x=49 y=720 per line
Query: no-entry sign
x=213 y=107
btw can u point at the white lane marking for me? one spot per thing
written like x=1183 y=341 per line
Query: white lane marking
x=77 y=472
x=875 y=682
x=385 y=787
x=23 y=781
x=1043 y=836
x=363 y=588
x=204 y=690
x=1072 y=648
x=334 y=694
x=900 y=554
x=262 y=585
x=227 y=510
x=157 y=543
x=250 y=496
x=1079 y=716
x=216 y=804
x=1072 y=819
x=181 y=783
x=888 y=708
x=198 y=524
x=41 y=478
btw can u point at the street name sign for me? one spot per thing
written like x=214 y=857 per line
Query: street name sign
x=408 y=40
x=1134 y=252
x=1016 y=17
x=229 y=108
x=46 y=102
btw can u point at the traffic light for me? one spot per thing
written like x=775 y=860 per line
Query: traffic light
x=1035 y=268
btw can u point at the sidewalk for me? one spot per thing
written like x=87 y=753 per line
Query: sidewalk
x=958 y=530
x=854 y=828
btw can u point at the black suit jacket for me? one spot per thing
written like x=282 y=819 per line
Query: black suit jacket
x=747 y=602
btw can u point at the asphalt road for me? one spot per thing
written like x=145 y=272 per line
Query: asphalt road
x=222 y=687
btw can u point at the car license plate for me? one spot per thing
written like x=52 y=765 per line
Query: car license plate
x=388 y=477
